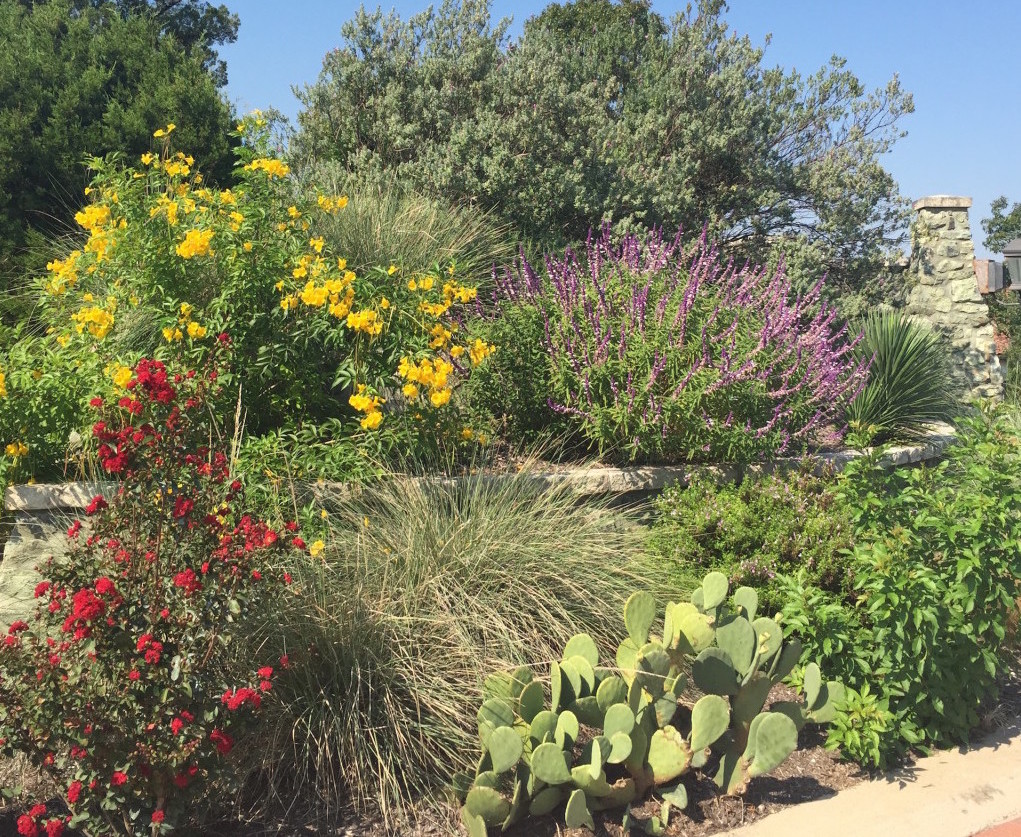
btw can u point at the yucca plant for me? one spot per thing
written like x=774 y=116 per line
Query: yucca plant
x=910 y=385
x=423 y=588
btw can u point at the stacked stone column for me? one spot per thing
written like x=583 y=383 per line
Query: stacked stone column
x=945 y=292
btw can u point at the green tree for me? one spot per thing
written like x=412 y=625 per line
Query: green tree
x=603 y=112
x=89 y=78
x=1003 y=227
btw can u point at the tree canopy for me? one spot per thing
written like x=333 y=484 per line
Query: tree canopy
x=604 y=112
x=81 y=78
x=1003 y=226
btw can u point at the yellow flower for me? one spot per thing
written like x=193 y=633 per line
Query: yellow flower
x=390 y=271
x=324 y=514
x=272 y=167
x=367 y=321
x=316 y=244
x=196 y=243
x=384 y=303
x=364 y=403
x=279 y=286
x=172 y=334
x=456 y=351
x=289 y=302
x=479 y=351
x=121 y=376
x=147 y=159
x=186 y=309
x=372 y=420
x=93 y=217
x=439 y=397
x=3 y=384
x=97 y=320
x=293 y=212
x=410 y=391
x=247 y=246
x=162 y=132
x=315 y=548
x=195 y=331
x=426 y=283
x=63 y=340
x=467 y=434
x=331 y=204
x=176 y=168
x=16 y=449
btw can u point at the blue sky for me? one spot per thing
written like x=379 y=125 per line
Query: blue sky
x=960 y=61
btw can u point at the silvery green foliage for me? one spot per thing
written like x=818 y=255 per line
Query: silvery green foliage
x=607 y=112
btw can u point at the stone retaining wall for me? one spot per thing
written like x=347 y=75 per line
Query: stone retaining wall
x=40 y=514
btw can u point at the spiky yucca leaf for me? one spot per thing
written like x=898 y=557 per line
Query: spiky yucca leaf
x=910 y=385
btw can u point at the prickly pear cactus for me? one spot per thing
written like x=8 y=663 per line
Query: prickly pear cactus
x=592 y=738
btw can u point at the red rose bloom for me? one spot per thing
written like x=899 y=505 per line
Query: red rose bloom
x=157 y=816
x=224 y=743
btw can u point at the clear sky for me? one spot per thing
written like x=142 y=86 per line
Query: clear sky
x=960 y=60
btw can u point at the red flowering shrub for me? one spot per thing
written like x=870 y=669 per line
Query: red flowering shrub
x=116 y=685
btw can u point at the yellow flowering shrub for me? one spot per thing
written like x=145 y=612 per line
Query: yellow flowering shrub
x=168 y=262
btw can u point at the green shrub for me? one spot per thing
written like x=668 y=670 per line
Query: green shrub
x=756 y=531
x=936 y=572
x=609 y=735
x=909 y=384
x=420 y=590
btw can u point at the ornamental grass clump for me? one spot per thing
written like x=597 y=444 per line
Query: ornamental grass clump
x=114 y=685
x=658 y=351
x=415 y=591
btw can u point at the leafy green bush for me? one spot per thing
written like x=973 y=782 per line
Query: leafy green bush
x=414 y=591
x=609 y=735
x=756 y=530
x=909 y=384
x=936 y=573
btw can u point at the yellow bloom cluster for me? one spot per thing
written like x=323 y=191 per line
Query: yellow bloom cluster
x=479 y=351
x=184 y=323
x=121 y=376
x=332 y=204
x=94 y=216
x=3 y=384
x=164 y=132
x=368 y=321
x=368 y=404
x=196 y=243
x=97 y=320
x=270 y=165
x=65 y=273
x=433 y=374
x=16 y=449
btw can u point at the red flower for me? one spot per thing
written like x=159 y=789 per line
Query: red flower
x=182 y=507
x=41 y=588
x=104 y=586
x=37 y=810
x=285 y=661
x=298 y=543
x=265 y=685
x=118 y=778
x=188 y=581
x=27 y=826
x=96 y=402
x=157 y=816
x=176 y=726
x=54 y=828
x=287 y=578
x=265 y=672
x=17 y=627
x=74 y=529
x=98 y=503
x=74 y=792
x=224 y=743
x=134 y=674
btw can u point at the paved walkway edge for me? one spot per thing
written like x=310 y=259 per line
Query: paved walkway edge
x=954 y=793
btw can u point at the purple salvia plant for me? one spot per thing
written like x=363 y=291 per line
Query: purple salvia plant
x=647 y=337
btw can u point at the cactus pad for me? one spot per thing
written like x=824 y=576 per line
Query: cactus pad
x=505 y=748
x=549 y=764
x=710 y=718
x=714 y=672
x=714 y=590
x=582 y=645
x=669 y=755
x=639 y=614
x=577 y=813
x=488 y=804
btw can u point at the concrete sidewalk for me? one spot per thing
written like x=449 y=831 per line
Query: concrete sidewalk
x=956 y=793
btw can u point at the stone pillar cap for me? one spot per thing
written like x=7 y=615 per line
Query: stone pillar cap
x=942 y=202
